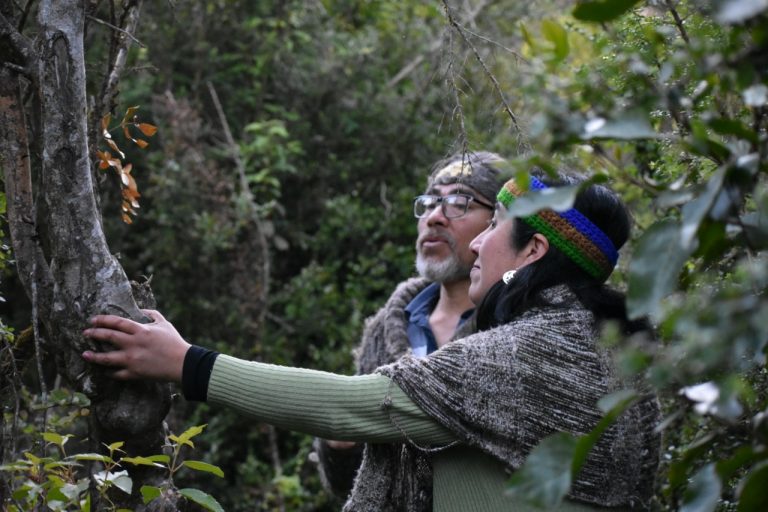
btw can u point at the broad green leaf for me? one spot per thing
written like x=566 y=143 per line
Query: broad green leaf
x=119 y=479
x=149 y=492
x=752 y=493
x=601 y=11
x=163 y=459
x=198 y=465
x=653 y=272
x=140 y=461
x=695 y=211
x=558 y=36
x=632 y=125
x=732 y=127
x=613 y=405
x=59 y=464
x=737 y=11
x=205 y=500
x=558 y=199
x=545 y=477
x=703 y=493
x=188 y=434
x=115 y=446
x=680 y=467
x=33 y=458
x=93 y=456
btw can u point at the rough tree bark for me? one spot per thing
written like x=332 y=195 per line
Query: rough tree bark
x=62 y=256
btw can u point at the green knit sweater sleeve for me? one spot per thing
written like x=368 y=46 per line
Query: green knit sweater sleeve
x=365 y=408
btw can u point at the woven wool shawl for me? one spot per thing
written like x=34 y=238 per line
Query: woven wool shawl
x=384 y=341
x=504 y=390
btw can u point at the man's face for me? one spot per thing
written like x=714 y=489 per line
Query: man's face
x=442 y=247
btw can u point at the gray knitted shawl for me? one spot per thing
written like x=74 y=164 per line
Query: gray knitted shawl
x=503 y=391
x=384 y=341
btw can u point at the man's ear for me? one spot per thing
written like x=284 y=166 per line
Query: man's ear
x=535 y=249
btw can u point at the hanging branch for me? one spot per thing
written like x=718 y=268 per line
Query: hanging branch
x=458 y=110
x=452 y=21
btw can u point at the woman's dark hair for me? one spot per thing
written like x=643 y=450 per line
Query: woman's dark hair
x=503 y=302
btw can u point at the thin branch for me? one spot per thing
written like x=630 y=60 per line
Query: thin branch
x=433 y=47
x=452 y=21
x=24 y=14
x=117 y=29
x=678 y=22
x=458 y=110
x=20 y=44
x=245 y=189
x=496 y=43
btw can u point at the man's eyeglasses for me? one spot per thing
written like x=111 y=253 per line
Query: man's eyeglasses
x=453 y=205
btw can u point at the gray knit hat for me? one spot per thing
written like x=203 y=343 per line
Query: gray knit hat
x=480 y=170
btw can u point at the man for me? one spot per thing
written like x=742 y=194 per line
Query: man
x=425 y=313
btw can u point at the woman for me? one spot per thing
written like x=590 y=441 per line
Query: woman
x=472 y=411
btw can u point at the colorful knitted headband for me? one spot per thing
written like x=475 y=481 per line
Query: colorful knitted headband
x=570 y=231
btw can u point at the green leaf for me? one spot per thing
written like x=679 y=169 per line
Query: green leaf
x=188 y=434
x=601 y=11
x=198 y=465
x=704 y=492
x=115 y=446
x=558 y=199
x=752 y=495
x=613 y=405
x=119 y=479
x=141 y=461
x=738 y=11
x=149 y=492
x=545 y=477
x=204 y=500
x=694 y=212
x=557 y=35
x=93 y=457
x=631 y=125
x=650 y=282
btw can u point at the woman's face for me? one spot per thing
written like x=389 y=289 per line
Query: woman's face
x=495 y=255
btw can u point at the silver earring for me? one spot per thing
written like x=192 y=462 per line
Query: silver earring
x=508 y=276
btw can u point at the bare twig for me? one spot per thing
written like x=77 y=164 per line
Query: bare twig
x=24 y=14
x=433 y=47
x=496 y=43
x=234 y=151
x=452 y=21
x=458 y=110
x=117 y=29
x=132 y=20
x=38 y=348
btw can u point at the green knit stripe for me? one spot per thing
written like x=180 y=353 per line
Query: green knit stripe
x=577 y=246
x=322 y=404
x=568 y=247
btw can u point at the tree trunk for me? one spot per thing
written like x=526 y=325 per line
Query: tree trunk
x=62 y=256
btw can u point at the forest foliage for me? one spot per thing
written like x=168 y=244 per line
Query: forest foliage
x=277 y=244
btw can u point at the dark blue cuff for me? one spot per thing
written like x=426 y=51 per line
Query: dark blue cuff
x=198 y=365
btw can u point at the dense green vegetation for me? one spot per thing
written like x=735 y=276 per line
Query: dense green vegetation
x=337 y=110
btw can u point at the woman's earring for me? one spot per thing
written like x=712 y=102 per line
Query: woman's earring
x=508 y=276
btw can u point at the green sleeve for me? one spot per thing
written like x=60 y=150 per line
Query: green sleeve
x=323 y=404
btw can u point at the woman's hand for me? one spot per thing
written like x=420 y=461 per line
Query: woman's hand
x=143 y=351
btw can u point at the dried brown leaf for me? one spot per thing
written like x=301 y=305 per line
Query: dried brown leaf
x=112 y=144
x=129 y=114
x=105 y=126
x=147 y=129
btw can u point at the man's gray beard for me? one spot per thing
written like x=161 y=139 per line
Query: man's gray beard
x=442 y=271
